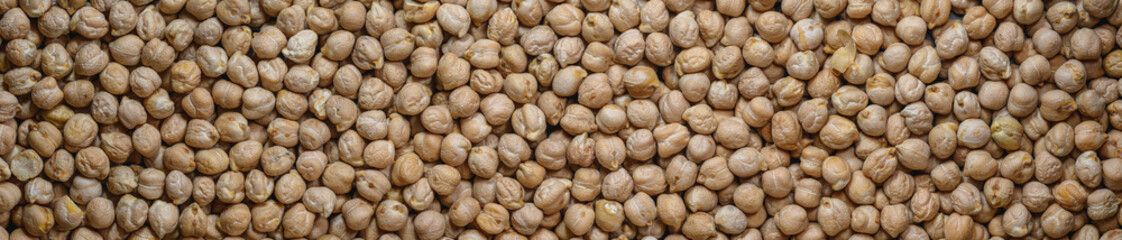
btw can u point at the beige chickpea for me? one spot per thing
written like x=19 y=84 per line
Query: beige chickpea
x=812 y=115
x=464 y=211
x=1098 y=8
x=569 y=51
x=87 y=21
x=132 y=213
x=529 y=12
x=179 y=32
x=319 y=200
x=341 y=111
x=1100 y=204
x=913 y=154
x=321 y=20
x=55 y=61
x=527 y=219
x=297 y=221
x=379 y=19
x=397 y=44
x=15 y=195
x=953 y=40
x=791 y=219
x=935 y=13
x=895 y=56
x=1008 y=37
x=46 y=93
x=300 y=47
x=655 y=18
x=39 y=220
x=91 y=60
x=1110 y=62
x=1056 y=105
x=479 y=11
x=925 y=63
x=758 y=52
x=1070 y=76
x=911 y=29
x=581 y=150
x=839 y=177
x=1023 y=99
x=773 y=26
x=268 y=42
x=38 y=191
x=964 y=73
x=978 y=22
x=435 y=222
x=283 y=132
x=21 y=52
x=17 y=25
x=802 y=65
x=237 y=39
x=1089 y=136
x=159 y=55
x=493 y=218
x=839 y=133
x=208 y=31
x=788 y=91
x=785 y=127
x=338 y=177
x=807 y=34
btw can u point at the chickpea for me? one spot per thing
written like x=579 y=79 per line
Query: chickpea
x=493 y=218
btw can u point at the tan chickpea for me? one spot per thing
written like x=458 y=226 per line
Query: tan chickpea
x=924 y=62
x=493 y=218
x=230 y=187
x=47 y=95
x=595 y=26
x=180 y=33
x=39 y=220
x=21 y=52
x=465 y=210
x=338 y=177
x=812 y=114
x=268 y=42
x=773 y=26
x=91 y=60
x=911 y=29
x=15 y=194
x=237 y=39
x=1056 y=105
x=231 y=221
x=38 y=191
x=321 y=20
x=894 y=57
x=87 y=21
x=132 y=213
x=17 y=25
x=838 y=132
x=319 y=200
x=397 y=44
x=297 y=221
x=55 y=61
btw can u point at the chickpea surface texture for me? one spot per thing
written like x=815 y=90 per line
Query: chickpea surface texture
x=552 y=119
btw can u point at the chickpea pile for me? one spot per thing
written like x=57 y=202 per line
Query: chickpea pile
x=555 y=119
